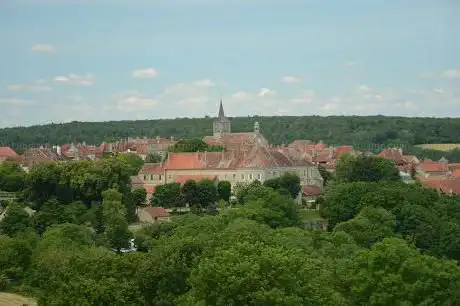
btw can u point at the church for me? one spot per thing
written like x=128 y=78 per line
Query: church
x=247 y=157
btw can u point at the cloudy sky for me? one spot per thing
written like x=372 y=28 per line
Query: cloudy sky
x=113 y=60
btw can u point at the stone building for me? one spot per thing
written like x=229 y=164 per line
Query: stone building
x=247 y=157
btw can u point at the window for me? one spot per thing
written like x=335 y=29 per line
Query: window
x=145 y=177
x=242 y=176
x=250 y=176
x=234 y=176
x=304 y=172
x=159 y=177
x=259 y=176
x=151 y=177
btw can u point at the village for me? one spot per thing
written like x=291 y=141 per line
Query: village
x=247 y=157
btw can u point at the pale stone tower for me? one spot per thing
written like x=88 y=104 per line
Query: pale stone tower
x=221 y=124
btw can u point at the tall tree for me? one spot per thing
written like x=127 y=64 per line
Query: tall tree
x=190 y=193
x=168 y=196
x=224 y=189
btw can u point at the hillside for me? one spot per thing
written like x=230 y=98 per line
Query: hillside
x=332 y=130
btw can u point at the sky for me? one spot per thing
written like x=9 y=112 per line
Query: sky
x=100 y=60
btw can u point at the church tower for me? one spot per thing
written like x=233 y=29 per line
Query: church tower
x=221 y=124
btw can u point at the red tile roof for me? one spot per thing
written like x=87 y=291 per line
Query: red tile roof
x=456 y=172
x=431 y=166
x=7 y=152
x=311 y=190
x=156 y=212
x=152 y=168
x=342 y=150
x=392 y=154
x=444 y=185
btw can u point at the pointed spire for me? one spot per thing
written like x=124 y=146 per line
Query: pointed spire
x=221 y=110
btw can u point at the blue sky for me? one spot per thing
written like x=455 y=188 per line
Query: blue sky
x=116 y=60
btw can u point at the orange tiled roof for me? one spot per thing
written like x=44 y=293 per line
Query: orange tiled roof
x=156 y=212
x=431 y=166
x=342 y=150
x=152 y=168
x=445 y=185
x=393 y=155
x=311 y=190
x=7 y=152
x=456 y=172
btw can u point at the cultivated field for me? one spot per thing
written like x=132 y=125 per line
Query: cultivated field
x=440 y=146
x=10 y=299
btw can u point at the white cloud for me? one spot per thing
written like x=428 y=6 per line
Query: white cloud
x=289 y=80
x=134 y=101
x=17 y=102
x=147 y=73
x=240 y=95
x=29 y=88
x=451 y=74
x=446 y=74
x=87 y=79
x=350 y=64
x=266 y=93
x=204 y=83
x=363 y=89
x=43 y=48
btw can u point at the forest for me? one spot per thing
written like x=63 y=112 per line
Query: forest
x=366 y=133
x=334 y=130
x=387 y=242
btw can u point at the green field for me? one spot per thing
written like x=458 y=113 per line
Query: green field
x=440 y=146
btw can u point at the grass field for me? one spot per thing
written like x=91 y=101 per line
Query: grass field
x=10 y=299
x=440 y=146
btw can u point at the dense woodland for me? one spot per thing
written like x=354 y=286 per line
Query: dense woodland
x=333 y=130
x=371 y=133
x=388 y=243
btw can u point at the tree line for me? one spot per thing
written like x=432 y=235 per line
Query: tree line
x=388 y=243
x=360 y=131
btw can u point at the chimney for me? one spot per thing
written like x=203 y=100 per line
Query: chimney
x=58 y=150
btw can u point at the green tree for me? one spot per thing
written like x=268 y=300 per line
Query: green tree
x=326 y=175
x=193 y=145
x=52 y=212
x=207 y=192
x=369 y=226
x=12 y=177
x=117 y=232
x=365 y=168
x=134 y=161
x=287 y=183
x=153 y=158
x=190 y=192
x=224 y=189
x=113 y=204
x=168 y=196
x=16 y=220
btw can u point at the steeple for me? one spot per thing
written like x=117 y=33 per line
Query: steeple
x=221 y=110
x=221 y=124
